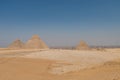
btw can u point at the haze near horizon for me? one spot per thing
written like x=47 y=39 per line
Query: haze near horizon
x=60 y=22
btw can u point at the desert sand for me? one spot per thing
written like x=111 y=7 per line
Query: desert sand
x=56 y=64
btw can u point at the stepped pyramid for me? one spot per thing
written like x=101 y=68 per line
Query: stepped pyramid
x=82 y=46
x=17 y=44
x=35 y=43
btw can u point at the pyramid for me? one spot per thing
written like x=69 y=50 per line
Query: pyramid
x=82 y=46
x=17 y=44
x=35 y=43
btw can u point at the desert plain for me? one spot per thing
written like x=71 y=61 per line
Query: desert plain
x=59 y=64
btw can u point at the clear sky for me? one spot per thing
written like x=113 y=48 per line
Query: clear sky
x=61 y=22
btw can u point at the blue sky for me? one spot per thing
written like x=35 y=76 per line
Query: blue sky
x=61 y=22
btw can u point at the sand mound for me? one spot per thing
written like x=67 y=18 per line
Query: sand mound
x=17 y=44
x=82 y=46
x=36 y=43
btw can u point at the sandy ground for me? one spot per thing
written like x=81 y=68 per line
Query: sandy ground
x=60 y=65
x=74 y=60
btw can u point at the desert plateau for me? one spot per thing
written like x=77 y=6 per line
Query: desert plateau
x=57 y=64
x=59 y=39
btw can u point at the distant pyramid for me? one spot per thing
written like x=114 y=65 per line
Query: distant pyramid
x=17 y=44
x=36 y=43
x=82 y=46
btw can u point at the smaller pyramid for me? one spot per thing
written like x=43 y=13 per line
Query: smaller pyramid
x=35 y=43
x=82 y=46
x=17 y=44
